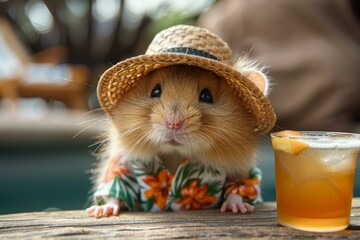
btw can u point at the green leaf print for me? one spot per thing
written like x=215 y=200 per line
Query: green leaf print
x=255 y=172
x=114 y=190
x=215 y=187
x=148 y=204
x=131 y=183
x=123 y=193
x=126 y=197
x=214 y=172
x=143 y=169
x=185 y=170
x=178 y=179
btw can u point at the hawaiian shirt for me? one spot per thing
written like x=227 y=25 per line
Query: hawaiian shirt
x=149 y=186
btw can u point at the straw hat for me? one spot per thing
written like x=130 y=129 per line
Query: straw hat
x=186 y=45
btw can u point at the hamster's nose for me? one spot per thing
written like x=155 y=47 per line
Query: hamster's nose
x=175 y=123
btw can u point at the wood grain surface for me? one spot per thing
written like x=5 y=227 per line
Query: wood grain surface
x=206 y=224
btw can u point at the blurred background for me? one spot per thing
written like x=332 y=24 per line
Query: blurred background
x=52 y=54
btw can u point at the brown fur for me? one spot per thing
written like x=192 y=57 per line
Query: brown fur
x=219 y=134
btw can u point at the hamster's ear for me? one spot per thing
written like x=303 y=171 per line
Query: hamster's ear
x=260 y=80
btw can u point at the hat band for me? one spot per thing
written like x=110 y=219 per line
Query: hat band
x=189 y=51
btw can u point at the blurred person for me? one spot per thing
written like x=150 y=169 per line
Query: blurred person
x=311 y=49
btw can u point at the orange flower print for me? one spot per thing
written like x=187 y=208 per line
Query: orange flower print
x=114 y=169
x=245 y=188
x=195 y=197
x=160 y=187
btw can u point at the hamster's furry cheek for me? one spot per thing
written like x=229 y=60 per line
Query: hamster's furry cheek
x=156 y=115
x=132 y=122
x=156 y=124
x=228 y=129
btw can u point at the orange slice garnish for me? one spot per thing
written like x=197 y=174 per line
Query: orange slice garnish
x=288 y=145
x=288 y=133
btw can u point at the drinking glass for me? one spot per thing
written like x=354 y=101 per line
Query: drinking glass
x=315 y=174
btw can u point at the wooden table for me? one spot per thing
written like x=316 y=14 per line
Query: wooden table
x=206 y=224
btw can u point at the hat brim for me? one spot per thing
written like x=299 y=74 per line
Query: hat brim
x=120 y=78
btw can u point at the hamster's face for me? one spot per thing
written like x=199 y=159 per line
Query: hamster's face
x=184 y=109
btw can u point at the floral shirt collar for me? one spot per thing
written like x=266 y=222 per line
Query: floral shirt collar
x=149 y=186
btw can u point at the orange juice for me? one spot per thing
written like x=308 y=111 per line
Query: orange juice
x=314 y=185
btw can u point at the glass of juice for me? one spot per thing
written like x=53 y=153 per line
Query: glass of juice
x=315 y=174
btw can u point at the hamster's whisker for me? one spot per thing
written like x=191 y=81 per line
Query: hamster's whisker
x=192 y=115
x=91 y=111
x=213 y=144
x=222 y=154
x=227 y=138
x=89 y=126
x=161 y=110
x=200 y=143
x=150 y=144
x=264 y=140
x=91 y=120
x=139 y=144
x=227 y=132
x=128 y=132
x=140 y=141
x=101 y=143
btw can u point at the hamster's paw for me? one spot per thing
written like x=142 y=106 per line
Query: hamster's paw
x=236 y=204
x=110 y=208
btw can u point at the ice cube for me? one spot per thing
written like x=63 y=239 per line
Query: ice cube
x=301 y=168
x=330 y=157
x=345 y=161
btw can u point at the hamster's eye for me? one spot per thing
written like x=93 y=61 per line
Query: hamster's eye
x=205 y=96
x=156 y=92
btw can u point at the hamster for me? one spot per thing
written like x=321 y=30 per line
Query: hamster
x=175 y=113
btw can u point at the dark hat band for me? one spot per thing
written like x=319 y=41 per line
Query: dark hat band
x=189 y=51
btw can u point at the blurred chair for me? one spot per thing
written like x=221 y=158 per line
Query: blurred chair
x=40 y=75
